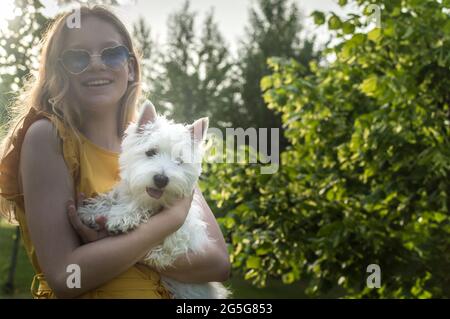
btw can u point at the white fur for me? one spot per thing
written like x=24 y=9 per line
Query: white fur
x=129 y=204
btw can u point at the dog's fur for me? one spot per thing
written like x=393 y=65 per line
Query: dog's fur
x=157 y=146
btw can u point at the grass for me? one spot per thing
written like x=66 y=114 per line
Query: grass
x=275 y=289
x=24 y=275
x=24 y=271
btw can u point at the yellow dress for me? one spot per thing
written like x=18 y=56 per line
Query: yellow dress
x=94 y=170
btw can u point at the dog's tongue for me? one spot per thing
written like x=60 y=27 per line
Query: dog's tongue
x=155 y=193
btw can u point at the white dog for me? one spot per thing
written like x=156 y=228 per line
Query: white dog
x=160 y=162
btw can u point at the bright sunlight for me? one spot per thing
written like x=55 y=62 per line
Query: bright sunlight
x=6 y=12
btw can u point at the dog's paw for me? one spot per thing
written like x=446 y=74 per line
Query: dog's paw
x=119 y=225
x=116 y=229
x=115 y=226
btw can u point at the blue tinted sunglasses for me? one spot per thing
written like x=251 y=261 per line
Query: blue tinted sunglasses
x=76 y=61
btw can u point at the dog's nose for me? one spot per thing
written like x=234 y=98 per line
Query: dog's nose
x=160 y=180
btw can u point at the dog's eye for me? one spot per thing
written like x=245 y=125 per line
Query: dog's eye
x=179 y=160
x=151 y=152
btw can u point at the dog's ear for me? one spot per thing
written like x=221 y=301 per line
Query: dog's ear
x=148 y=114
x=198 y=128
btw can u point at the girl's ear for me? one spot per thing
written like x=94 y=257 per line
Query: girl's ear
x=148 y=114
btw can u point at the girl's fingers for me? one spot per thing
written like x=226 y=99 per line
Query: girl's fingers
x=80 y=199
x=82 y=230
x=69 y=203
x=101 y=222
x=85 y=232
x=75 y=220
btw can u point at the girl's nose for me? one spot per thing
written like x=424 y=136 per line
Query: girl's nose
x=96 y=63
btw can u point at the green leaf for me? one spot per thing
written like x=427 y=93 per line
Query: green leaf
x=369 y=85
x=319 y=17
x=348 y=27
x=250 y=274
x=288 y=278
x=227 y=222
x=375 y=35
x=334 y=22
x=253 y=262
x=266 y=83
x=264 y=249
x=439 y=217
x=358 y=39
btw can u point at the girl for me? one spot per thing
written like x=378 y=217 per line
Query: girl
x=65 y=142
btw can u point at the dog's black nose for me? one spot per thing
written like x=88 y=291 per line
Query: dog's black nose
x=160 y=180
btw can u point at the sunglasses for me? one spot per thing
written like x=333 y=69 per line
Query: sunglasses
x=76 y=61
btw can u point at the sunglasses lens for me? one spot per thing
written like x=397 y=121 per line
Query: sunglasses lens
x=115 y=57
x=75 y=61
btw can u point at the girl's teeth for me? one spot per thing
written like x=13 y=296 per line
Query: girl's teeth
x=98 y=83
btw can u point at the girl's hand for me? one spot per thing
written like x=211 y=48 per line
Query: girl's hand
x=180 y=209
x=86 y=233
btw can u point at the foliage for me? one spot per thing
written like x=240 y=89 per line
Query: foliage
x=19 y=49
x=365 y=180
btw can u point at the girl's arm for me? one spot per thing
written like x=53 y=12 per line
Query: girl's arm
x=47 y=186
x=213 y=265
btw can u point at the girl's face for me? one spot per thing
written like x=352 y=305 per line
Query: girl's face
x=94 y=35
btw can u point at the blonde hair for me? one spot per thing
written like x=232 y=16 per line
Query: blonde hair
x=47 y=91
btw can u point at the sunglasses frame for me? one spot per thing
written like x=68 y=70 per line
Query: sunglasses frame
x=60 y=59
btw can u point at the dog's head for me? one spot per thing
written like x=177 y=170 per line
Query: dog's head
x=161 y=160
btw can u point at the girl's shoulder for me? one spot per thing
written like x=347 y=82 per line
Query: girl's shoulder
x=37 y=131
x=42 y=128
x=39 y=135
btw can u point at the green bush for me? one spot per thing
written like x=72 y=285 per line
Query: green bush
x=365 y=180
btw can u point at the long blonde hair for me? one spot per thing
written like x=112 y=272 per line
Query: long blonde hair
x=48 y=90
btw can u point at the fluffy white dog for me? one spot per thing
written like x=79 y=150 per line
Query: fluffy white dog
x=160 y=162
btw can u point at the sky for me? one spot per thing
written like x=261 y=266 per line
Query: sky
x=231 y=15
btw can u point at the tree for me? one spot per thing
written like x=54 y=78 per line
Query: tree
x=142 y=38
x=274 y=30
x=218 y=92
x=196 y=77
x=176 y=87
x=20 y=44
x=150 y=55
x=365 y=180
